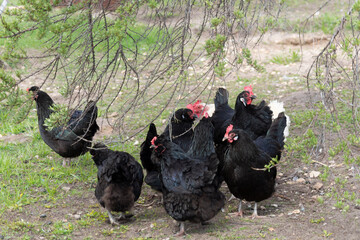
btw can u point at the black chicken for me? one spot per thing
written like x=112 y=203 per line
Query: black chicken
x=152 y=177
x=120 y=178
x=190 y=181
x=73 y=139
x=180 y=128
x=222 y=115
x=254 y=119
x=244 y=166
x=181 y=134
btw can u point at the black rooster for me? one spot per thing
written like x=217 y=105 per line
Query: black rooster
x=190 y=181
x=181 y=130
x=73 y=139
x=120 y=178
x=244 y=168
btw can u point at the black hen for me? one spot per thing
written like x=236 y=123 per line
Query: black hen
x=152 y=168
x=73 y=139
x=222 y=115
x=190 y=181
x=221 y=119
x=254 y=119
x=120 y=178
x=180 y=127
x=244 y=167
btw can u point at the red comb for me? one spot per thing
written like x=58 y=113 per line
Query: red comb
x=249 y=89
x=190 y=106
x=193 y=106
x=153 y=141
x=228 y=129
x=27 y=89
x=198 y=108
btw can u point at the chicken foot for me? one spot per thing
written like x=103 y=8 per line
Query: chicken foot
x=240 y=212
x=66 y=162
x=255 y=214
x=181 y=231
x=112 y=219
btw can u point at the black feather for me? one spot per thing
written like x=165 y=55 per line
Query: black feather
x=73 y=139
x=120 y=178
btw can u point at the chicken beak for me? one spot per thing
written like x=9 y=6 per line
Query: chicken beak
x=225 y=138
x=243 y=101
x=253 y=97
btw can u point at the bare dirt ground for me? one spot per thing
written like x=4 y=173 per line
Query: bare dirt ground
x=293 y=212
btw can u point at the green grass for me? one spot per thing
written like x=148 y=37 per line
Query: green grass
x=292 y=57
x=327 y=23
x=37 y=167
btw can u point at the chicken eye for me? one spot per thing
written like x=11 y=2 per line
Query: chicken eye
x=233 y=137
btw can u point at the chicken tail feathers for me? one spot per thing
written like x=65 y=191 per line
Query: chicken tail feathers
x=145 y=152
x=221 y=97
x=277 y=128
x=83 y=123
x=278 y=107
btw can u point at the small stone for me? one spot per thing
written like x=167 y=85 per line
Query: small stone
x=318 y=185
x=315 y=197
x=314 y=174
x=43 y=216
x=262 y=207
x=113 y=115
x=296 y=211
x=274 y=205
x=66 y=189
x=77 y=216
x=301 y=180
x=302 y=208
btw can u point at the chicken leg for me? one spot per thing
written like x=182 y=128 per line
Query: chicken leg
x=240 y=212
x=66 y=162
x=182 y=230
x=255 y=214
x=112 y=219
x=122 y=216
